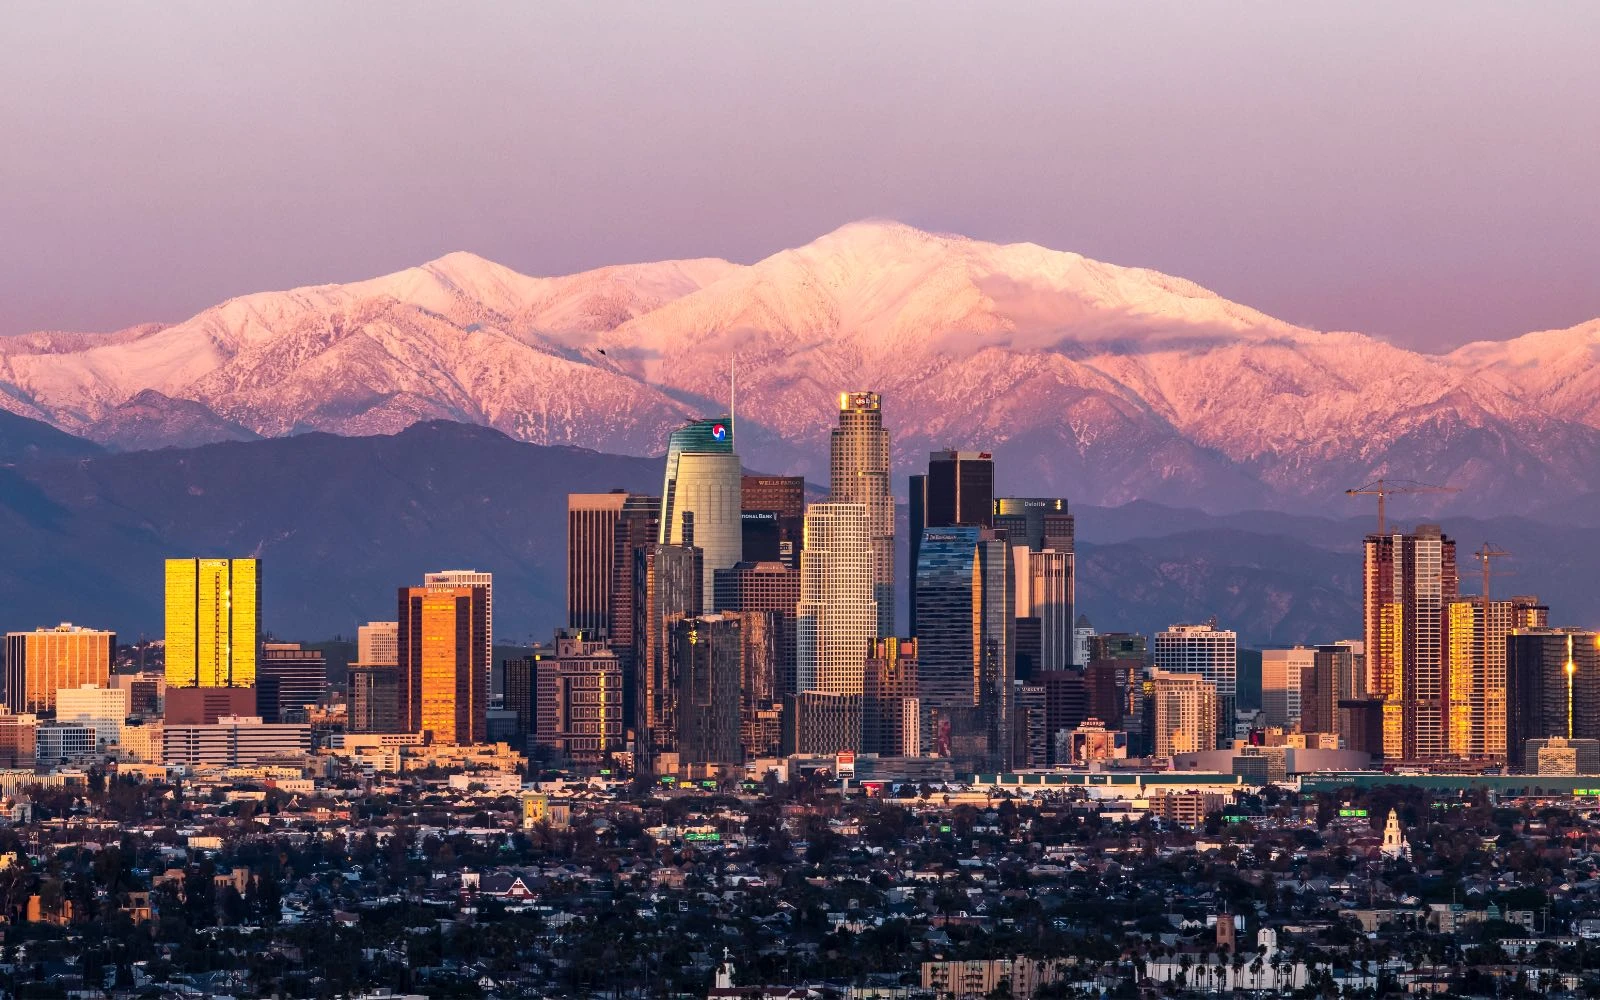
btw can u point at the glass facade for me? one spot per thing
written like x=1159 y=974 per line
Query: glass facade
x=213 y=609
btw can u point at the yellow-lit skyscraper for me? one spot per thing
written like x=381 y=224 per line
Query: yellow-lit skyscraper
x=213 y=622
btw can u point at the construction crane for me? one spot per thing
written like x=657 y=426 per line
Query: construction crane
x=1485 y=553
x=1382 y=488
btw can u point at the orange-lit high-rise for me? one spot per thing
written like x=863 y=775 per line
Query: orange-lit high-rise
x=443 y=672
x=40 y=663
x=1409 y=580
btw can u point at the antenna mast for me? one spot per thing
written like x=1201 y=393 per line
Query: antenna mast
x=733 y=424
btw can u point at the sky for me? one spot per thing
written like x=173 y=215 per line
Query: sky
x=1425 y=172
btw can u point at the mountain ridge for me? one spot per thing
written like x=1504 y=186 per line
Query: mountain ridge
x=1107 y=383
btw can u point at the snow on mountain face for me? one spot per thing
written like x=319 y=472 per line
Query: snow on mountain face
x=1102 y=382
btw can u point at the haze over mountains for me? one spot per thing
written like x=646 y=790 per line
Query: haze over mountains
x=1099 y=382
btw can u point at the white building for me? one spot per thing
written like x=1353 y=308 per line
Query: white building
x=709 y=486
x=63 y=742
x=144 y=743
x=1281 y=670
x=103 y=709
x=837 y=618
x=1212 y=653
x=379 y=642
x=233 y=741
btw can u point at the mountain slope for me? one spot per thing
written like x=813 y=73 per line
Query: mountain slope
x=1103 y=382
x=341 y=522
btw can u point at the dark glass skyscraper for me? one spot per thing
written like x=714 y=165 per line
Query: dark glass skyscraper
x=1044 y=526
x=1553 y=681
x=785 y=498
x=288 y=678
x=957 y=489
x=967 y=636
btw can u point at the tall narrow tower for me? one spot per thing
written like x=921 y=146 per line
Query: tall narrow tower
x=859 y=467
x=1408 y=580
x=836 y=617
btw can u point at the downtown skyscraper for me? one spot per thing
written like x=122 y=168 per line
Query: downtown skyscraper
x=1475 y=632
x=1042 y=531
x=836 y=618
x=703 y=481
x=1407 y=582
x=966 y=643
x=958 y=489
x=859 y=473
x=1211 y=652
x=592 y=520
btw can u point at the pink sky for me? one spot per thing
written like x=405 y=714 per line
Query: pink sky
x=1429 y=172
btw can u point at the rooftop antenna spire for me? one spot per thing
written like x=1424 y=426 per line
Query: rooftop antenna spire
x=733 y=424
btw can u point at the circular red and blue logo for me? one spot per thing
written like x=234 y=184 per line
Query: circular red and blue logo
x=719 y=432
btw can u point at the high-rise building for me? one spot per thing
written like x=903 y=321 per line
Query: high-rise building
x=378 y=642
x=1186 y=712
x=761 y=536
x=591 y=553
x=1066 y=701
x=966 y=642
x=41 y=662
x=1553 y=687
x=484 y=584
x=859 y=473
x=375 y=698
x=816 y=722
x=1029 y=740
x=579 y=700
x=765 y=587
x=708 y=436
x=213 y=622
x=1282 y=671
x=1407 y=582
x=1332 y=678
x=785 y=498
x=1211 y=652
x=521 y=695
x=958 y=489
x=1475 y=670
x=667 y=587
x=444 y=680
x=703 y=478
x=1082 y=637
x=1045 y=529
x=891 y=722
x=836 y=618
x=637 y=528
x=289 y=678
x=707 y=656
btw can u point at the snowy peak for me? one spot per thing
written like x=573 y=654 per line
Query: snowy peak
x=1099 y=380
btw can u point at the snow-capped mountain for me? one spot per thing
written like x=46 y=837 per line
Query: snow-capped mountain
x=1098 y=381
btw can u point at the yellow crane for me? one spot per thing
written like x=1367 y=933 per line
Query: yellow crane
x=1382 y=488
